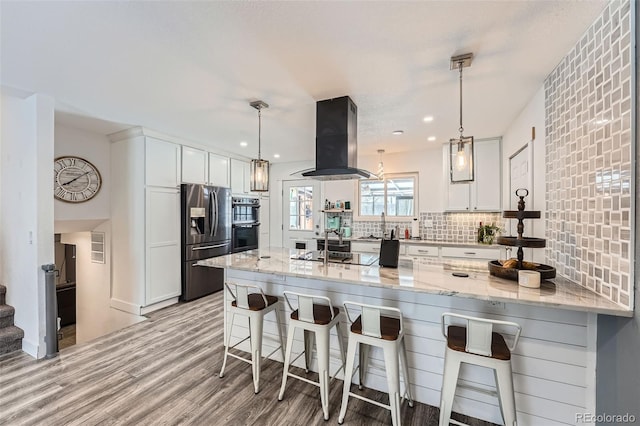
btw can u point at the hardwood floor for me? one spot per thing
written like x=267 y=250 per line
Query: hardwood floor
x=66 y=336
x=164 y=371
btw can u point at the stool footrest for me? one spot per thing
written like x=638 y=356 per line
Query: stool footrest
x=248 y=361
x=304 y=379
x=364 y=398
x=479 y=389
x=455 y=422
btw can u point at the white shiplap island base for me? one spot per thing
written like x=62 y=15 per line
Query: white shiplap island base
x=554 y=363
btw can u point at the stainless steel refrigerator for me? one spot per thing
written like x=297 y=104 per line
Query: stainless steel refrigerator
x=206 y=232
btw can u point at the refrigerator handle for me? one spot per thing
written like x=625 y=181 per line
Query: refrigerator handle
x=214 y=230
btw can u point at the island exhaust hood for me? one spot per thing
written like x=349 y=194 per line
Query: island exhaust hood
x=337 y=141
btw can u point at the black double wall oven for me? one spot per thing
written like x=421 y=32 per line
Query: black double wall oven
x=245 y=227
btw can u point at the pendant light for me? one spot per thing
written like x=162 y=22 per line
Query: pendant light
x=259 y=167
x=461 y=148
x=380 y=165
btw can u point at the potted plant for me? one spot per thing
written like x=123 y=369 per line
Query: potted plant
x=487 y=233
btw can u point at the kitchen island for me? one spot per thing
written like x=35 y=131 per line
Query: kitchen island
x=554 y=364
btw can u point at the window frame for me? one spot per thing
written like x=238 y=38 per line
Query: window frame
x=389 y=176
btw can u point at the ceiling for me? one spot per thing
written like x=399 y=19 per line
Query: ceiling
x=190 y=69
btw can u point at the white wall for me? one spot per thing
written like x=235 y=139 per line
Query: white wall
x=517 y=136
x=26 y=215
x=96 y=149
x=94 y=315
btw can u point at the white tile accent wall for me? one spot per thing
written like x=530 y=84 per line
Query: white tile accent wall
x=588 y=103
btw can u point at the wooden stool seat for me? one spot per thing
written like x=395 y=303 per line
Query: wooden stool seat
x=457 y=340
x=389 y=327
x=321 y=314
x=256 y=302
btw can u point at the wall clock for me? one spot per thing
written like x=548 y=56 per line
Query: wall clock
x=76 y=180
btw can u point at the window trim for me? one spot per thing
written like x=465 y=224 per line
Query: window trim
x=387 y=176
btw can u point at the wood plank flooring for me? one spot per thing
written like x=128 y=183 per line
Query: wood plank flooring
x=164 y=371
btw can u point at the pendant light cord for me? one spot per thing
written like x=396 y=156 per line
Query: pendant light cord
x=259 y=132
x=461 y=129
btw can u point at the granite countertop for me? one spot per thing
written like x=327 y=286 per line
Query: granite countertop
x=426 y=276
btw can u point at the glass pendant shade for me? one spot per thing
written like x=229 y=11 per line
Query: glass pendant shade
x=259 y=175
x=461 y=159
x=259 y=169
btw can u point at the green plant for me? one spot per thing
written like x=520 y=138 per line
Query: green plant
x=487 y=233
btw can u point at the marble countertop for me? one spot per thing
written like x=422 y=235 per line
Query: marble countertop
x=430 y=275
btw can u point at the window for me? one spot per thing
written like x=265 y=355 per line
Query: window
x=301 y=208
x=395 y=195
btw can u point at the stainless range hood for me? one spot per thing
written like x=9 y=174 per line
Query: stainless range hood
x=337 y=141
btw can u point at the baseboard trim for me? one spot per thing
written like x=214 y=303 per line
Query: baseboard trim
x=147 y=309
x=121 y=305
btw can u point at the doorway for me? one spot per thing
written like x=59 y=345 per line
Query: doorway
x=301 y=214
x=65 y=258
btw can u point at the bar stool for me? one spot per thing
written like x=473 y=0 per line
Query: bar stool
x=478 y=344
x=316 y=319
x=254 y=306
x=371 y=328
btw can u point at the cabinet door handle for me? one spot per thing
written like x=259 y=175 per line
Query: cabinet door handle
x=472 y=253
x=423 y=251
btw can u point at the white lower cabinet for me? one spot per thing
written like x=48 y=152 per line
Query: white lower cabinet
x=421 y=250
x=471 y=252
x=365 y=246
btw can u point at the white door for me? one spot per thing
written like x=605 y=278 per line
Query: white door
x=301 y=213
x=520 y=176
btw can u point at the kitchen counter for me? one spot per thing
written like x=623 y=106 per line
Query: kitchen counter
x=553 y=363
x=432 y=276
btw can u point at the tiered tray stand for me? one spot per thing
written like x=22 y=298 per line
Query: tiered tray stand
x=495 y=267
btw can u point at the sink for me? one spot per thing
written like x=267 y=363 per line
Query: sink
x=370 y=237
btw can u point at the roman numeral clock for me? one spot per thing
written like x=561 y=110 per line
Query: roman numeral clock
x=76 y=180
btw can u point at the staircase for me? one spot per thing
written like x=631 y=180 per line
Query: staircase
x=10 y=335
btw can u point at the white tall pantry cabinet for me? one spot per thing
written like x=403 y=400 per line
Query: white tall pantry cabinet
x=145 y=215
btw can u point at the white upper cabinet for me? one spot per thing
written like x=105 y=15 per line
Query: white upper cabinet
x=487 y=191
x=240 y=183
x=162 y=163
x=483 y=194
x=194 y=165
x=218 y=170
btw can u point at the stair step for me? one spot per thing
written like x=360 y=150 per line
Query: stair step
x=6 y=315
x=10 y=339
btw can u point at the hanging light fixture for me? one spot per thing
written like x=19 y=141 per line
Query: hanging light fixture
x=461 y=148
x=380 y=165
x=259 y=167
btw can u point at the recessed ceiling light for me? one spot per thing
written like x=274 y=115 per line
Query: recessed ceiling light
x=276 y=155
x=397 y=132
x=243 y=144
x=428 y=119
x=431 y=138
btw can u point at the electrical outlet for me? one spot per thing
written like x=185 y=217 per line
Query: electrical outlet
x=428 y=223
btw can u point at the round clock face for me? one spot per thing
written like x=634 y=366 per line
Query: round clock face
x=75 y=179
